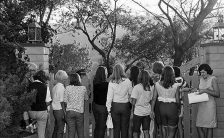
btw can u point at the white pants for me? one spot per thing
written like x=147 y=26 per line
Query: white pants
x=41 y=118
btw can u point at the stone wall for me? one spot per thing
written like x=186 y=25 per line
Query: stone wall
x=213 y=54
x=38 y=54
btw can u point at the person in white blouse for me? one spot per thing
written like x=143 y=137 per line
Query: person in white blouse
x=58 y=97
x=118 y=104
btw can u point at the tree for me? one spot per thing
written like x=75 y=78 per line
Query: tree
x=97 y=21
x=15 y=15
x=189 y=16
x=143 y=40
x=69 y=57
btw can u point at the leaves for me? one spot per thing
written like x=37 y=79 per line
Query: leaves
x=69 y=57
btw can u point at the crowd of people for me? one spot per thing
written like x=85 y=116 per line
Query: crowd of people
x=138 y=101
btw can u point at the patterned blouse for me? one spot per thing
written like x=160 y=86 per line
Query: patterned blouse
x=74 y=97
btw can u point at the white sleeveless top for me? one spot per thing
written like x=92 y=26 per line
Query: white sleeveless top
x=166 y=95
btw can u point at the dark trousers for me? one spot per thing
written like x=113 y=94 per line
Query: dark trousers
x=100 y=115
x=59 y=124
x=75 y=121
x=120 y=113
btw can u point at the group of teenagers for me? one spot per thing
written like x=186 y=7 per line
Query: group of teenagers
x=132 y=99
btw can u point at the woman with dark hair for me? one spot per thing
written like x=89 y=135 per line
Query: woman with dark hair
x=167 y=93
x=134 y=72
x=74 y=97
x=42 y=100
x=157 y=69
x=100 y=87
x=141 y=97
x=119 y=91
x=206 y=116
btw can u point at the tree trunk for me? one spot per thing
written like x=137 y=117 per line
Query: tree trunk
x=178 y=56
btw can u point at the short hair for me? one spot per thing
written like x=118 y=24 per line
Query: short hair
x=140 y=65
x=61 y=75
x=75 y=79
x=144 y=79
x=134 y=72
x=206 y=68
x=168 y=77
x=101 y=75
x=32 y=66
x=157 y=67
x=176 y=71
x=118 y=73
x=41 y=76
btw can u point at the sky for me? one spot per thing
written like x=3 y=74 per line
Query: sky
x=67 y=38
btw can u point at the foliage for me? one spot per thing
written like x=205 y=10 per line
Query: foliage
x=188 y=16
x=97 y=21
x=69 y=57
x=143 y=40
x=15 y=15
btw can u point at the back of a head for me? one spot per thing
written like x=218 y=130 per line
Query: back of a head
x=176 y=71
x=118 y=73
x=168 y=77
x=144 y=79
x=75 y=79
x=61 y=76
x=157 y=67
x=101 y=75
x=134 y=72
x=140 y=65
x=41 y=76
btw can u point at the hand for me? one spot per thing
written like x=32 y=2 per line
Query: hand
x=152 y=115
x=193 y=89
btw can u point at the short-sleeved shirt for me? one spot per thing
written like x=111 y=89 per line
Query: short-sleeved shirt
x=57 y=96
x=74 y=97
x=143 y=97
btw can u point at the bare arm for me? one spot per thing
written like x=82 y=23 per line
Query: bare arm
x=215 y=92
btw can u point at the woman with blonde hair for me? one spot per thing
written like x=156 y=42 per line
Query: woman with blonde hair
x=57 y=98
x=119 y=91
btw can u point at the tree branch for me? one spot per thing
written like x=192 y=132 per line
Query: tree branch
x=49 y=14
x=170 y=21
x=186 y=23
x=158 y=17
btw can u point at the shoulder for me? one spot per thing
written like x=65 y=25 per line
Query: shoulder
x=138 y=86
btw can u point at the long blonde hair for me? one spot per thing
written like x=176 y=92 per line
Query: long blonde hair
x=118 y=74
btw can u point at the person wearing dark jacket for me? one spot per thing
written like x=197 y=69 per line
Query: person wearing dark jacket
x=100 y=87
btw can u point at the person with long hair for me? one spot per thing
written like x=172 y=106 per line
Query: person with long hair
x=100 y=87
x=206 y=116
x=134 y=72
x=167 y=93
x=74 y=97
x=141 y=97
x=57 y=97
x=118 y=103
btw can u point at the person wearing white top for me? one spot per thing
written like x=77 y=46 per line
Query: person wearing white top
x=57 y=98
x=119 y=91
x=167 y=92
x=141 y=97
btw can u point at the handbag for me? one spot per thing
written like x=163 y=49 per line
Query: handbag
x=109 y=121
x=197 y=98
